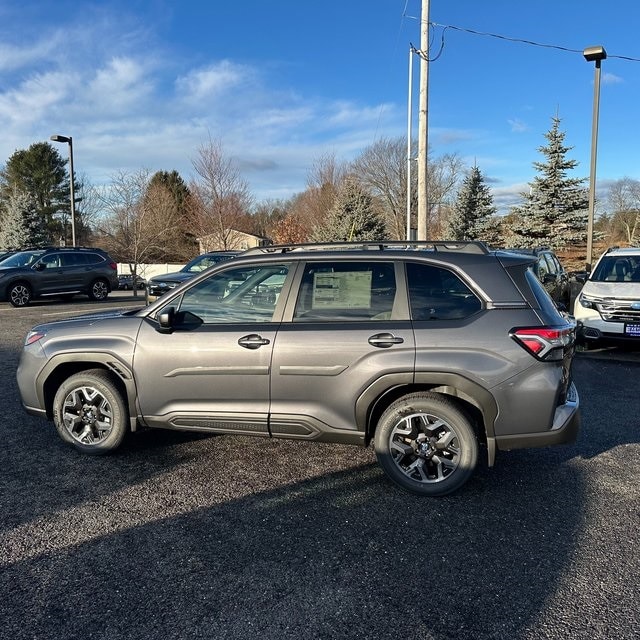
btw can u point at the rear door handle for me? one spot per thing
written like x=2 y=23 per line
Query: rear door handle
x=384 y=340
x=252 y=341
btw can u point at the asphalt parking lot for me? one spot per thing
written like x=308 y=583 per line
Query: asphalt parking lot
x=186 y=536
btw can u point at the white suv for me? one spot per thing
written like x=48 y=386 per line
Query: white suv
x=608 y=307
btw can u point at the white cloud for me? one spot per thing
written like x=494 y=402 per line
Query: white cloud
x=33 y=99
x=15 y=57
x=212 y=81
x=610 y=78
x=130 y=105
x=119 y=85
x=504 y=198
x=451 y=136
x=517 y=125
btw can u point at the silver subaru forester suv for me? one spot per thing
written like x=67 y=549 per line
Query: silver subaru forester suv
x=433 y=351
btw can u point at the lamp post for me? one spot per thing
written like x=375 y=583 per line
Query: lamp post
x=69 y=139
x=593 y=54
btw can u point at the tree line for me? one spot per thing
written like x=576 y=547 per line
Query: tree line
x=159 y=217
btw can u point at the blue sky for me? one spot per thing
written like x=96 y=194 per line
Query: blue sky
x=143 y=83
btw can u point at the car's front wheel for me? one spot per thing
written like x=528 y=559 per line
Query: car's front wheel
x=90 y=413
x=426 y=445
x=19 y=294
x=99 y=289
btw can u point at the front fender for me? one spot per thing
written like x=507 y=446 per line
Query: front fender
x=61 y=366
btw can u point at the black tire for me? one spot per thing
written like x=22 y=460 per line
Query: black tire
x=99 y=289
x=426 y=444
x=19 y=294
x=90 y=413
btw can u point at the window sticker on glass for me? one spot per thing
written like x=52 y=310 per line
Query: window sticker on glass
x=344 y=290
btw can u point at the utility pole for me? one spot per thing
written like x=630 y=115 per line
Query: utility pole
x=423 y=123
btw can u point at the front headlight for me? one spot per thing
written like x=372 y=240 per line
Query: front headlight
x=588 y=302
x=34 y=336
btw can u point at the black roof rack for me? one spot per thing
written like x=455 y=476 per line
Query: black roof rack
x=54 y=248
x=471 y=246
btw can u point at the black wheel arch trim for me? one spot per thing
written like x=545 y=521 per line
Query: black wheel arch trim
x=85 y=361
x=450 y=384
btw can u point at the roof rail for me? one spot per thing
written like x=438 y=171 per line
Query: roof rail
x=469 y=246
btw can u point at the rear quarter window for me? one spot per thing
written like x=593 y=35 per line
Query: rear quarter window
x=439 y=294
x=544 y=300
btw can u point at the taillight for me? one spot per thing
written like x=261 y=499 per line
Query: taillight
x=545 y=343
x=114 y=265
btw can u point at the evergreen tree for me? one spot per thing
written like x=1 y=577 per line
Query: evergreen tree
x=555 y=210
x=22 y=224
x=41 y=172
x=168 y=194
x=353 y=217
x=471 y=217
x=173 y=182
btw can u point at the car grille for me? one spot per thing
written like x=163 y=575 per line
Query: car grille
x=619 y=310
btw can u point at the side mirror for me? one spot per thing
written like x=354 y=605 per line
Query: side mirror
x=38 y=266
x=166 y=320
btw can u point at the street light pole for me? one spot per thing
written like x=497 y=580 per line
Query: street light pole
x=69 y=140
x=593 y=54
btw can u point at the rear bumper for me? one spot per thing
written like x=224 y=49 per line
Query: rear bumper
x=565 y=428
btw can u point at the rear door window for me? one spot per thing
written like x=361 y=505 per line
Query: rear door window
x=73 y=259
x=343 y=291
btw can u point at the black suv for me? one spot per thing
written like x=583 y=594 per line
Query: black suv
x=551 y=273
x=432 y=351
x=57 y=271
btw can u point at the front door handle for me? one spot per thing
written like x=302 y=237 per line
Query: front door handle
x=384 y=340
x=252 y=341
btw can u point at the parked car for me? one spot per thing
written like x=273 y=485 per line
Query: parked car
x=608 y=307
x=163 y=283
x=125 y=281
x=57 y=271
x=432 y=351
x=6 y=254
x=552 y=274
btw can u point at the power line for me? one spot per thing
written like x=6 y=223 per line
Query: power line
x=532 y=43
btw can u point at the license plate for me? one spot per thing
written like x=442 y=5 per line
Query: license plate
x=632 y=330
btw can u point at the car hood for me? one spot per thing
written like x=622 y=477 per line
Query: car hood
x=620 y=290
x=177 y=276
x=88 y=319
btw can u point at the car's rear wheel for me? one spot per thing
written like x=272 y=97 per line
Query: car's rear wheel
x=19 y=294
x=426 y=445
x=99 y=289
x=90 y=413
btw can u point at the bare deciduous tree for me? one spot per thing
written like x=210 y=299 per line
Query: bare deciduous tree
x=140 y=219
x=220 y=199
x=443 y=175
x=382 y=168
x=624 y=204
x=324 y=180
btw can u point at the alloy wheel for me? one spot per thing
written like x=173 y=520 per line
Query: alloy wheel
x=425 y=447
x=87 y=415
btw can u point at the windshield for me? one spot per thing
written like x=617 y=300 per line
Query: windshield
x=617 y=269
x=202 y=262
x=22 y=259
